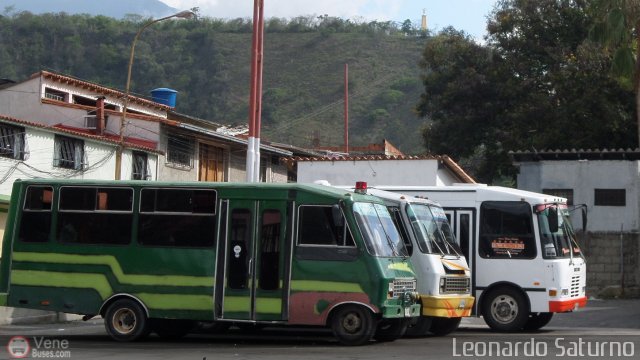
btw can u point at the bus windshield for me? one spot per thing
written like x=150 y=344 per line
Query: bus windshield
x=432 y=229
x=558 y=240
x=378 y=230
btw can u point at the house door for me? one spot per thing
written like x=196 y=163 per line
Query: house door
x=251 y=283
x=211 y=166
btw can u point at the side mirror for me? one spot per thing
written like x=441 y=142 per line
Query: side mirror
x=584 y=219
x=552 y=218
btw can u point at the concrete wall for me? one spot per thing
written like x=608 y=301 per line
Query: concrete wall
x=374 y=172
x=583 y=177
x=612 y=263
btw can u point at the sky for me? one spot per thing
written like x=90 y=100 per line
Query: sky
x=467 y=15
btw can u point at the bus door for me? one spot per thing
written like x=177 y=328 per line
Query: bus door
x=251 y=272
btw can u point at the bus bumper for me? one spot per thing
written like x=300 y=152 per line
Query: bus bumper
x=400 y=311
x=567 y=305
x=447 y=306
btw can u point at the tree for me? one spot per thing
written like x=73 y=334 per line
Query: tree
x=536 y=84
x=618 y=28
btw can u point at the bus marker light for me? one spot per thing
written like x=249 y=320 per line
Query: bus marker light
x=553 y=292
x=536 y=283
x=361 y=187
x=45 y=303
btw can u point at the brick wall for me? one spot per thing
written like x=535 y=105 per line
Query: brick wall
x=605 y=252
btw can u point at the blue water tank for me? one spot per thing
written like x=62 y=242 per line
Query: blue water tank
x=164 y=96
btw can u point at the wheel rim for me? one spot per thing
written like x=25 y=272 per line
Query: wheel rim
x=124 y=321
x=351 y=323
x=504 y=309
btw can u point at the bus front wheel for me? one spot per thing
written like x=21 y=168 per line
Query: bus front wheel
x=537 y=321
x=352 y=325
x=505 y=309
x=125 y=320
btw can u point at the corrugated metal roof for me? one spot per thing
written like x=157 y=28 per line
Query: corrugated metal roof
x=575 y=154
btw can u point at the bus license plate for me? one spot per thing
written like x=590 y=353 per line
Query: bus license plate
x=407 y=312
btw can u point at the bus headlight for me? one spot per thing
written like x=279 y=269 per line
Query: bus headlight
x=564 y=292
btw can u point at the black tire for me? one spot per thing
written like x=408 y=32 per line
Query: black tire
x=352 y=325
x=505 y=309
x=391 y=329
x=125 y=320
x=444 y=326
x=421 y=328
x=172 y=329
x=537 y=321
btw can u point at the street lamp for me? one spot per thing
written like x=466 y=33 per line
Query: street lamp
x=187 y=14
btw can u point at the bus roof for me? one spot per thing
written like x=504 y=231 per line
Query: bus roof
x=313 y=188
x=478 y=192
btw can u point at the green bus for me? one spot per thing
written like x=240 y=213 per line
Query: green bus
x=162 y=257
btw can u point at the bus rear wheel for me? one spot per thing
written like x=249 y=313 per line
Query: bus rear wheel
x=537 y=321
x=391 y=329
x=352 y=325
x=125 y=320
x=505 y=309
x=444 y=326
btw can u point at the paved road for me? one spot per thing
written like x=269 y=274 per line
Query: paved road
x=598 y=326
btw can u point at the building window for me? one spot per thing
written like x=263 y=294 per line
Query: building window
x=610 y=197
x=69 y=153
x=55 y=94
x=12 y=142
x=565 y=193
x=179 y=150
x=140 y=166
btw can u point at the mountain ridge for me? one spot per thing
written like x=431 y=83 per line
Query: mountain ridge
x=117 y=9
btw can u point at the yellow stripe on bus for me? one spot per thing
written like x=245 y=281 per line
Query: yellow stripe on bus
x=243 y=304
x=176 y=301
x=98 y=282
x=112 y=262
x=319 y=285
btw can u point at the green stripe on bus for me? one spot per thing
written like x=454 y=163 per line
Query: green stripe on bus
x=237 y=304
x=3 y=299
x=97 y=282
x=242 y=304
x=131 y=279
x=176 y=301
x=333 y=286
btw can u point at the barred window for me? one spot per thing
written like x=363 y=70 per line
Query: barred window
x=69 y=153
x=140 y=166
x=12 y=142
x=180 y=150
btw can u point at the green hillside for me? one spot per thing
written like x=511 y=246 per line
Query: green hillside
x=208 y=62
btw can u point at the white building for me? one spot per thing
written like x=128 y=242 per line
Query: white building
x=381 y=170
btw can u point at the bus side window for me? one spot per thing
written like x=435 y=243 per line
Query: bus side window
x=323 y=234
x=397 y=220
x=506 y=230
x=270 y=250
x=35 y=223
x=240 y=233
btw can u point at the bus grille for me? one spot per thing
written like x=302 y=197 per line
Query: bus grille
x=456 y=285
x=575 y=286
x=402 y=285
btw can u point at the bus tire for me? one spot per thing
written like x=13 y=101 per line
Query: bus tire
x=444 y=326
x=421 y=328
x=352 y=325
x=537 y=321
x=172 y=328
x=505 y=309
x=391 y=329
x=125 y=320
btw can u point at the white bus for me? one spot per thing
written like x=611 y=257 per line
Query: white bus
x=444 y=278
x=525 y=260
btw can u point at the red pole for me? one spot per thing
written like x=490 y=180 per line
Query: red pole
x=346 y=108
x=259 y=65
x=253 y=93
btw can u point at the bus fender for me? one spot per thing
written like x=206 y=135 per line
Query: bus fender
x=335 y=306
x=115 y=297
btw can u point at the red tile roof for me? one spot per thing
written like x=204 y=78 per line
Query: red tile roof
x=99 y=89
x=133 y=143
